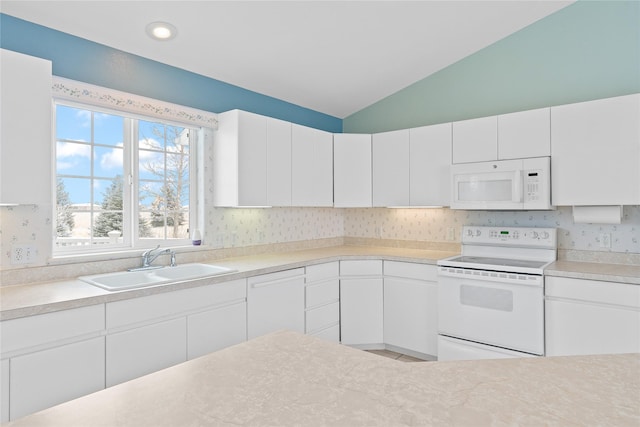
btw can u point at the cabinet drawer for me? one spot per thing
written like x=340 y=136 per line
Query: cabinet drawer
x=330 y=334
x=265 y=279
x=409 y=270
x=322 y=293
x=171 y=303
x=315 y=273
x=593 y=291
x=321 y=317
x=361 y=268
x=47 y=328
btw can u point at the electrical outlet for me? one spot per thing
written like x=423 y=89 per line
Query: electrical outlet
x=22 y=254
x=605 y=240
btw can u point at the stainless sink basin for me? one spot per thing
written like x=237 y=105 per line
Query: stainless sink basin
x=143 y=278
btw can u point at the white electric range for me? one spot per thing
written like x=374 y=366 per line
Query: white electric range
x=491 y=298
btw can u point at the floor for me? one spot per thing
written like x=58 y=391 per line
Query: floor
x=396 y=356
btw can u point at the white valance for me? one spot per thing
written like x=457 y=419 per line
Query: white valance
x=85 y=93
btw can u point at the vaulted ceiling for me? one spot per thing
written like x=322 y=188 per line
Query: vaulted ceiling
x=335 y=57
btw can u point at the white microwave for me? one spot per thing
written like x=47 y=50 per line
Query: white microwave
x=521 y=184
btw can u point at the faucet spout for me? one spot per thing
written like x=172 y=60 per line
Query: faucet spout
x=150 y=255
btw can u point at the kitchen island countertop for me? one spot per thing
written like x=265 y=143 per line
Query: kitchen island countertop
x=286 y=378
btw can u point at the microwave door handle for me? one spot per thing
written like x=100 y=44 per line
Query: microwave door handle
x=517 y=187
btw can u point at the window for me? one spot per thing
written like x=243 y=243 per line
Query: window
x=122 y=182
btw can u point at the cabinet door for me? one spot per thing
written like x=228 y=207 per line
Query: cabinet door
x=25 y=134
x=475 y=140
x=275 y=301
x=595 y=151
x=4 y=390
x=239 y=156
x=278 y=163
x=410 y=314
x=352 y=170
x=216 y=329
x=591 y=317
x=46 y=378
x=391 y=168
x=311 y=167
x=524 y=134
x=361 y=311
x=140 y=351
x=429 y=165
x=586 y=328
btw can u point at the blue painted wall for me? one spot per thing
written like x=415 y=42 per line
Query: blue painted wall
x=588 y=50
x=79 y=59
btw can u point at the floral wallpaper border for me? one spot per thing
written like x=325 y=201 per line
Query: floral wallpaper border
x=103 y=97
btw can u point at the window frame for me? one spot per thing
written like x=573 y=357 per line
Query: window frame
x=130 y=235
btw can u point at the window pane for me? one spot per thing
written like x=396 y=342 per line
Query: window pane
x=105 y=222
x=73 y=159
x=108 y=129
x=73 y=123
x=151 y=135
x=109 y=193
x=151 y=165
x=108 y=162
x=78 y=191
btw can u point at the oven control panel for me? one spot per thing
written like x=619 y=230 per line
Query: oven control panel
x=509 y=236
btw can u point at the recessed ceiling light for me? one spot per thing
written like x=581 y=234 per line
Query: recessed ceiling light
x=161 y=31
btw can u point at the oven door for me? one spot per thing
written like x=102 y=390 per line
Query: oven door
x=499 y=309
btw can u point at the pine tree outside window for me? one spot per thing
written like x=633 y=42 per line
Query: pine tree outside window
x=122 y=182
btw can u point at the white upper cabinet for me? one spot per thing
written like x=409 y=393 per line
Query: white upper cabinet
x=25 y=138
x=429 y=165
x=239 y=156
x=312 y=167
x=524 y=134
x=475 y=140
x=391 y=168
x=595 y=149
x=519 y=135
x=278 y=162
x=352 y=170
x=252 y=160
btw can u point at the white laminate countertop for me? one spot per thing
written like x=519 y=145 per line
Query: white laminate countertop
x=286 y=378
x=595 y=271
x=32 y=299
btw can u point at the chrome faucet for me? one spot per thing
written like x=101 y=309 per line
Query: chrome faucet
x=150 y=255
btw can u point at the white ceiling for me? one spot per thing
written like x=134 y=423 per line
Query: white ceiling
x=335 y=57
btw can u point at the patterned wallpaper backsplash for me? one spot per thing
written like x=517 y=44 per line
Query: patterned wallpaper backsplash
x=434 y=225
x=226 y=227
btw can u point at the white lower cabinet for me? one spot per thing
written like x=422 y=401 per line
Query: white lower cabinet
x=410 y=304
x=46 y=378
x=154 y=332
x=361 y=303
x=4 y=390
x=140 y=351
x=591 y=317
x=216 y=329
x=275 y=301
x=50 y=358
x=322 y=301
